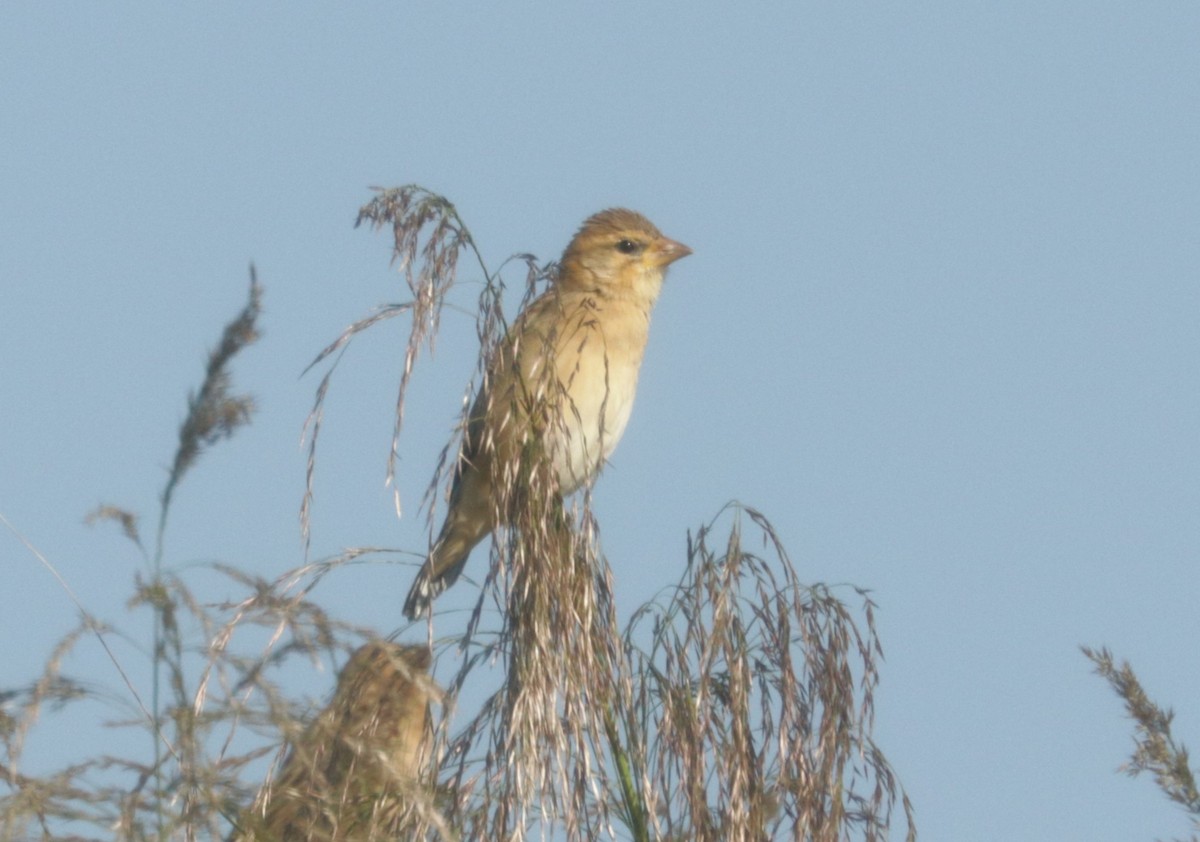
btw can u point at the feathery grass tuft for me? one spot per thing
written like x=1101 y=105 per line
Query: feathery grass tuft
x=1155 y=750
x=214 y=413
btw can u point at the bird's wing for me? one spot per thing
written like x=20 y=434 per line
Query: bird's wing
x=500 y=379
x=514 y=386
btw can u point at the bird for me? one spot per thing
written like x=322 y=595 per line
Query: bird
x=563 y=380
x=354 y=771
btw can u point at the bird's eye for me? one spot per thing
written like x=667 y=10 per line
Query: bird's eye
x=628 y=247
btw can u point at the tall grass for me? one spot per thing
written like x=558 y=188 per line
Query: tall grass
x=738 y=705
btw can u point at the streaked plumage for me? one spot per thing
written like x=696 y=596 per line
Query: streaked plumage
x=353 y=773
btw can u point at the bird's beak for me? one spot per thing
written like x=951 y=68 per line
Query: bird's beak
x=663 y=252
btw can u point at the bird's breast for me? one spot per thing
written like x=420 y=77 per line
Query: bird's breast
x=597 y=364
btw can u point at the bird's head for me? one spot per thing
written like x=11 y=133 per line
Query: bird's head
x=619 y=251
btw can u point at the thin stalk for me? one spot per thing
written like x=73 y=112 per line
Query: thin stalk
x=631 y=797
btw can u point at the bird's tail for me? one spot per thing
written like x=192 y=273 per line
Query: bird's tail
x=441 y=570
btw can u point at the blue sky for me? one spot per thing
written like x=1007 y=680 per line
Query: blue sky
x=940 y=323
